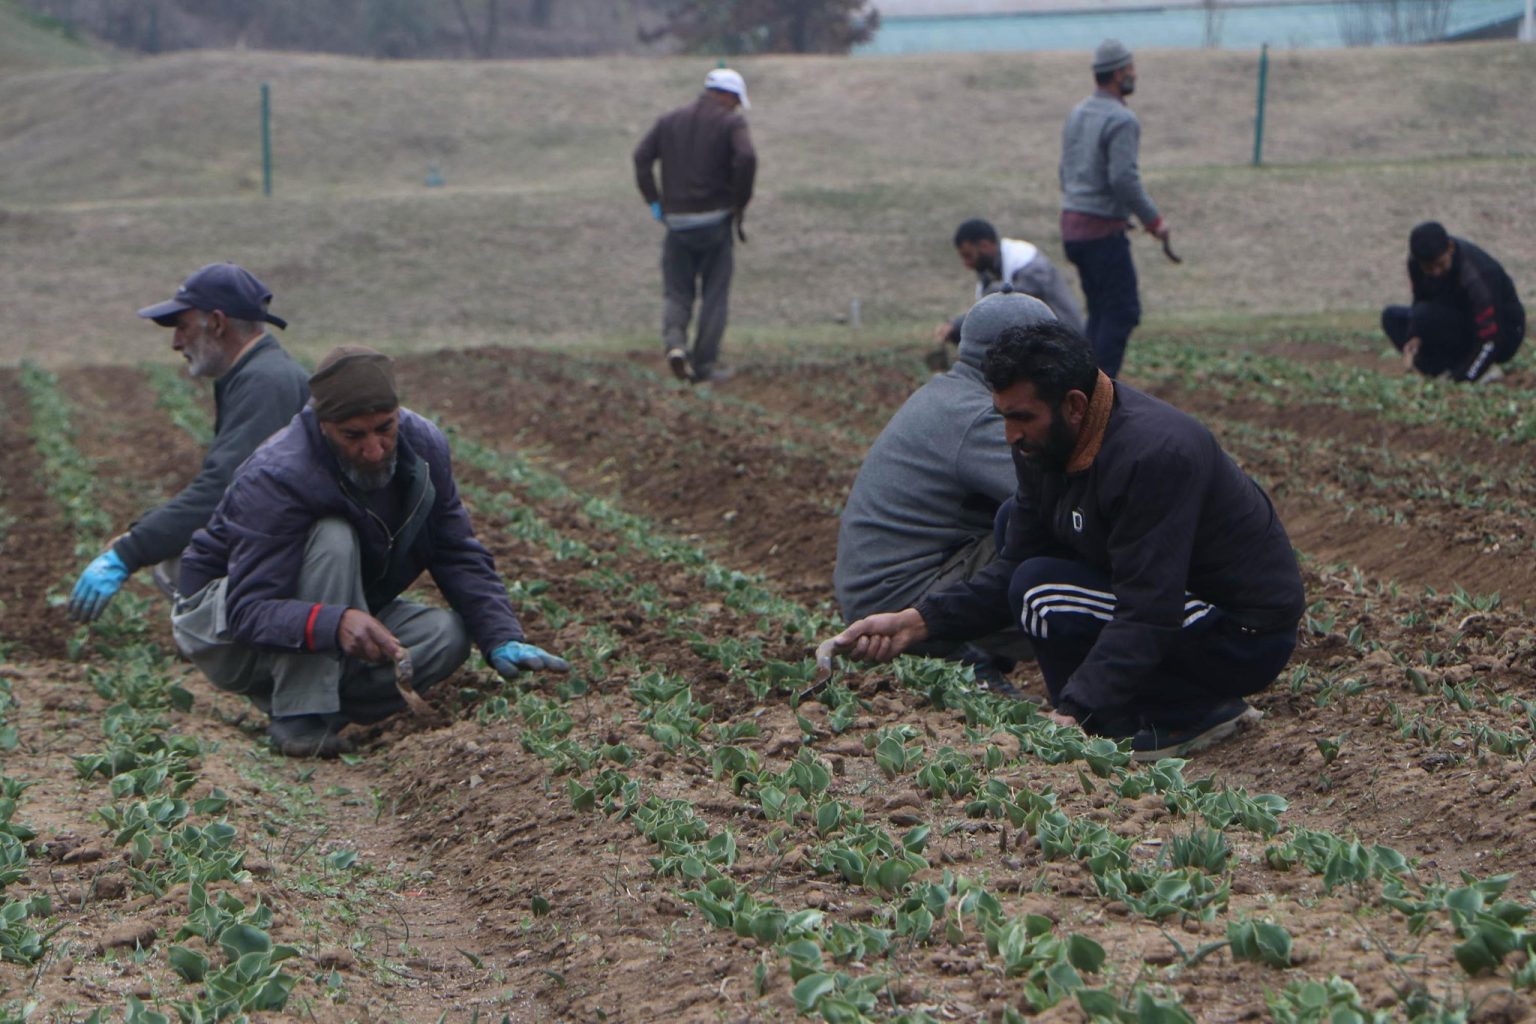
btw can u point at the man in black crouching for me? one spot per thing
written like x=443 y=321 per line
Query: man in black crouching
x=1466 y=319
x=1152 y=574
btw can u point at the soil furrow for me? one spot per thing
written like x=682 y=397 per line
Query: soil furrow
x=141 y=457
x=37 y=546
x=724 y=486
x=1289 y=741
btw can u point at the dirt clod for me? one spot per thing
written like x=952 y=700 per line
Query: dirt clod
x=83 y=855
x=128 y=935
x=336 y=959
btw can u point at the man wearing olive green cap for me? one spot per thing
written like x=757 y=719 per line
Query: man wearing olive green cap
x=293 y=588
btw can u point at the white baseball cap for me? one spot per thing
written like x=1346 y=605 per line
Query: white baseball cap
x=727 y=80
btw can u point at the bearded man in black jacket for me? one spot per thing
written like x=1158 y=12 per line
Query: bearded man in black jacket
x=1153 y=575
x=1466 y=319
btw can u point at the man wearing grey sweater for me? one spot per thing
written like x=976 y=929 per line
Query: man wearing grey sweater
x=219 y=317
x=1100 y=189
x=921 y=511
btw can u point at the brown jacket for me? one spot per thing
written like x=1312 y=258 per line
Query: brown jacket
x=707 y=160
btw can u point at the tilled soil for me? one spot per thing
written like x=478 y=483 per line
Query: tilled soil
x=1442 y=554
x=466 y=838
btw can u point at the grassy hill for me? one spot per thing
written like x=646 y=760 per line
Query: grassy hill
x=28 y=43
x=116 y=180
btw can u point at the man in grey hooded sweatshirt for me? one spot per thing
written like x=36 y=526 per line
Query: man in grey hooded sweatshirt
x=921 y=511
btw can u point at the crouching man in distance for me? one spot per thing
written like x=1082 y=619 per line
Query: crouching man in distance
x=1152 y=574
x=292 y=590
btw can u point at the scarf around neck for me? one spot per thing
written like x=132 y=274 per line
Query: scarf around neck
x=1091 y=436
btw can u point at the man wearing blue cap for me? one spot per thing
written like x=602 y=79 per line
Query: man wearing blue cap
x=219 y=316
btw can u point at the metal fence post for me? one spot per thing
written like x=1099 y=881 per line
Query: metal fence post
x=1258 y=120
x=266 y=139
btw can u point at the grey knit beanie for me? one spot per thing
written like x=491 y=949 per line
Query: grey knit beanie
x=994 y=314
x=1110 y=56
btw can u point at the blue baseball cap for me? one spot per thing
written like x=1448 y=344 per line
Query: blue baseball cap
x=227 y=287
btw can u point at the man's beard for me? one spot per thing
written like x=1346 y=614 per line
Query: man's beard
x=1056 y=452
x=368 y=479
x=204 y=357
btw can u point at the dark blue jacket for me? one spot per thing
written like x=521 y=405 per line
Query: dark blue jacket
x=258 y=532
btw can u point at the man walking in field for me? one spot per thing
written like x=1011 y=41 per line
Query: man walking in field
x=921 y=512
x=707 y=169
x=219 y=316
x=1466 y=319
x=1021 y=264
x=1151 y=573
x=292 y=590
x=1100 y=189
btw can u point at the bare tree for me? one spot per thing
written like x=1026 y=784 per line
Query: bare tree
x=1215 y=15
x=769 y=26
x=1394 y=22
x=482 y=42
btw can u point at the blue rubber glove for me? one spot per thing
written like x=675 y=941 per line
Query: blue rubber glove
x=98 y=584
x=656 y=209
x=512 y=657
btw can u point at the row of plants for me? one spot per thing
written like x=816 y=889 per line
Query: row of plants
x=1280 y=381
x=809 y=943
x=222 y=949
x=558 y=493
x=1223 y=806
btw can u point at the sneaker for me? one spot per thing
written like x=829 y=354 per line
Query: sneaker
x=1492 y=374
x=306 y=736
x=1153 y=744
x=714 y=375
x=678 y=359
x=991 y=675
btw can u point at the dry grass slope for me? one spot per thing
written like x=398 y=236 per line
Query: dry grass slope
x=29 y=44
x=116 y=180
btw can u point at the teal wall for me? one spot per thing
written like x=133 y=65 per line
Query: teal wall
x=1282 y=25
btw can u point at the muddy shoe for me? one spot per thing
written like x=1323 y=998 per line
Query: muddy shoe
x=677 y=359
x=992 y=677
x=715 y=375
x=1152 y=743
x=306 y=736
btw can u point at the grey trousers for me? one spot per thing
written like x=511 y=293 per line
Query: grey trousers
x=698 y=257
x=1010 y=644
x=328 y=682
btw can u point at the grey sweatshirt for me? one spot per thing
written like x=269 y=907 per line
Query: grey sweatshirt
x=252 y=401
x=1099 y=148
x=931 y=483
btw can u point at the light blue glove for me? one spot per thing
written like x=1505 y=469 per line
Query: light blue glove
x=102 y=579
x=656 y=209
x=513 y=656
